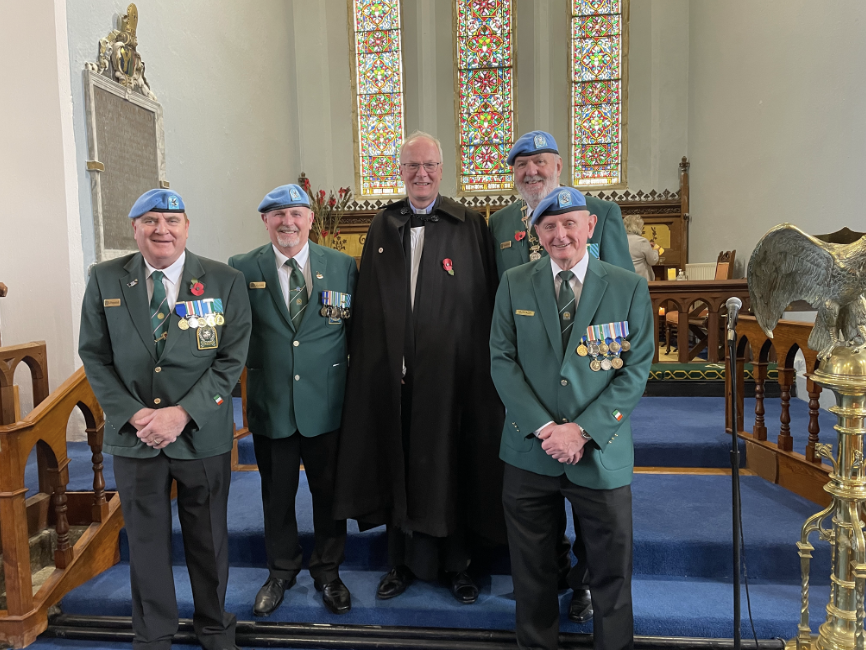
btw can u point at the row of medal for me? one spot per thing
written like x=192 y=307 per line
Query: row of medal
x=200 y=313
x=604 y=343
x=336 y=305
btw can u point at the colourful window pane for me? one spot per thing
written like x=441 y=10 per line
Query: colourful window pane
x=596 y=68
x=379 y=87
x=486 y=93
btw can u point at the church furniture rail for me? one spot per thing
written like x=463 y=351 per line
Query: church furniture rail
x=97 y=549
x=244 y=431
x=683 y=295
x=775 y=460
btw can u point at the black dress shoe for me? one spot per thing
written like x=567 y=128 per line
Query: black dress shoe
x=394 y=582
x=580 y=609
x=463 y=588
x=271 y=595
x=336 y=596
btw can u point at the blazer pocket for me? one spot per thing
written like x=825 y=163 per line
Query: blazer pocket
x=618 y=455
x=517 y=442
x=336 y=385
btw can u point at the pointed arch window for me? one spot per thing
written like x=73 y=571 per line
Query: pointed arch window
x=599 y=86
x=378 y=80
x=485 y=93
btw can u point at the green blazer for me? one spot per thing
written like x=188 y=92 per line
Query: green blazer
x=539 y=383
x=609 y=235
x=295 y=380
x=117 y=349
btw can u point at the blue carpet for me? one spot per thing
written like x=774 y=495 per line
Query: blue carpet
x=662 y=607
x=246 y=453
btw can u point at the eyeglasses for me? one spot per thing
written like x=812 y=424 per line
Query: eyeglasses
x=429 y=167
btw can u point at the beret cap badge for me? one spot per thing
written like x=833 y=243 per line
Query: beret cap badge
x=540 y=141
x=564 y=199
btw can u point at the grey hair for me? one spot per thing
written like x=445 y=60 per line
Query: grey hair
x=633 y=224
x=420 y=135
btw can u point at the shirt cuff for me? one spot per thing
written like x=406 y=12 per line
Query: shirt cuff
x=538 y=430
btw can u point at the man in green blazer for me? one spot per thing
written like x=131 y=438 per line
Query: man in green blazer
x=536 y=163
x=300 y=295
x=571 y=345
x=163 y=339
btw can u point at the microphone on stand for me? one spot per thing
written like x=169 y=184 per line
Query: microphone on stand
x=733 y=306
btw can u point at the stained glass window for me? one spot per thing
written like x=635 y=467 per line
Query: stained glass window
x=486 y=93
x=597 y=89
x=379 y=92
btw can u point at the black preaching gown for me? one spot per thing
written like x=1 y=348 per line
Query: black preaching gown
x=444 y=474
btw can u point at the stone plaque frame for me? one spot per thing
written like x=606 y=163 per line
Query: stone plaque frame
x=111 y=204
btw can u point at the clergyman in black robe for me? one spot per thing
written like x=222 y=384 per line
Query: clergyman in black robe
x=419 y=447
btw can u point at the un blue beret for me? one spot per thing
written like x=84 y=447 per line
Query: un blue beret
x=559 y=201
x=157 y=201
x=285 y=196
x=532 y=143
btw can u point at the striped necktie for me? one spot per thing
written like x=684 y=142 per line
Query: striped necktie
x=297 y=293
x=566 y=304
x=159 y=312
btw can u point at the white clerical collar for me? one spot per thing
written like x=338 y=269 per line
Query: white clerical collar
x=578 y=269
x=301 y=257
x=426 y=210
x=173 y=272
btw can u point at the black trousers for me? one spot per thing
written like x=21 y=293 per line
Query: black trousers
x=533 y=504
x=575 y=576
x=144 y=485
x=279 y=463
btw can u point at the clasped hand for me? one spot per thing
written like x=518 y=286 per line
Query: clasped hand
x=563 y=442
x=158 y=428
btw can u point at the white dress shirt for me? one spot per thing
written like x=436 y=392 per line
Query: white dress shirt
x=417 y=247
x=283 y=271
x=576 y=282
x=170 y=280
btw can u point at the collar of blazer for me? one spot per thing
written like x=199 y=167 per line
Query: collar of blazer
x=136 y=298
x=592 y=292
x=318 y=266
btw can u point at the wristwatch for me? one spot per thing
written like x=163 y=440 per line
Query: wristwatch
x=584 y=434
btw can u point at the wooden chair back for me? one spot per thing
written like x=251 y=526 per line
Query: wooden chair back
x=725 y=265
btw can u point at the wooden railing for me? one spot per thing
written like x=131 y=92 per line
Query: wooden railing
x=45 y=429
x=243 y=431
x=683 y=296
x=772 y=456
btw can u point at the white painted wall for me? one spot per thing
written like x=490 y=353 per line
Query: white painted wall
x=40 y=250
x=776 y=130
x=224 y=73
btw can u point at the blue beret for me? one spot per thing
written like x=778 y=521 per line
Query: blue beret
x=532 y=143
x=285 y=196
x=157 y=201
x=559 y=201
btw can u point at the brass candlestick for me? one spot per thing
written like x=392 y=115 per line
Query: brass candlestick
x=844 y=372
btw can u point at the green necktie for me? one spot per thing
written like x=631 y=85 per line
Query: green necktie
x=566 y=306
x=297 y=293
x=159 y=312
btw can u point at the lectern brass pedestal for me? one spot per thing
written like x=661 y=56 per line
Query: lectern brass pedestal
x=845 y=374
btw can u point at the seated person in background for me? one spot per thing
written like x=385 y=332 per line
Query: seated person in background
x=644 y=253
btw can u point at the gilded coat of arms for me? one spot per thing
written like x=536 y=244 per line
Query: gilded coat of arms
x=118 y=58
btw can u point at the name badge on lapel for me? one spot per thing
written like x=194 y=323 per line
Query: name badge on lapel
x=111 y=302
x=258 y=285
x=524 y=312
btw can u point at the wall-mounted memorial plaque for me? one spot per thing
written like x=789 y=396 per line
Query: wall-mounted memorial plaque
x=126 y=145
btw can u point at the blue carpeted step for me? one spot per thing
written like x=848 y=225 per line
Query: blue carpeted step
x=662 y=607
x=681 y=525
x=246 y=453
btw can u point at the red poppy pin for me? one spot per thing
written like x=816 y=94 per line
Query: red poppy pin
x=448 y=265
x=519 y=235
x=196 y=288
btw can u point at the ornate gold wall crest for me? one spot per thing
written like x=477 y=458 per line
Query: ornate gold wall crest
x=118 y=58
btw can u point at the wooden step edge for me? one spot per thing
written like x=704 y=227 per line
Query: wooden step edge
x=702 y=471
